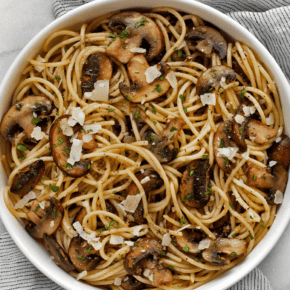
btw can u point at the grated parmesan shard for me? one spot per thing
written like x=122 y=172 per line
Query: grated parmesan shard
x=131 y=202
x=38 y=67
x=116 y=240
x=37 y=134
x=92 y=128
x=239 y=119
x=278 y=197
x=75 y=152
x=208 y=99
x=138 y=50
x=100 y=93
x=78 y=116
x=204 y=244
x=65 y=127
x=117 y=281
x=228 y=152
x=172 y=79
x=26 y=198
x=152 y=73
x=166 y=240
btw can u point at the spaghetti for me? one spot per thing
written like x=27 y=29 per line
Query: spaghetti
x=166 y=189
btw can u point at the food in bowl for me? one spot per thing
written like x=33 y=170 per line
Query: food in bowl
x=145 y=150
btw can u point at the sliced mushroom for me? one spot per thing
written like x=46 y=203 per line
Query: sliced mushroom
x=222 y=227
x=208 y=39
x=280 y=176
x=158 y=274
x=189 y=239
x=137 y=260
x=21 y=116
x=141 y=91
x=60 y=147
x=239 y=132
x=152 y=183
x=280 y=152
x=222 y=140
x=130 y=283
x=44 y=221
x=98 y=67
x=211 y=79
x=83 y=255
x=195 y=184
x=133 y=28
x=260 y=132
x=158 y=145
x=60 y=257
x=220 y=250
x=258 y=176
x=26 y=179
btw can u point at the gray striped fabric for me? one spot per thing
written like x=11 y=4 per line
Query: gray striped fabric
x=269 y=21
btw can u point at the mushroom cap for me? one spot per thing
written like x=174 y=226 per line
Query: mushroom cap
x=133 y=262
x=26 y=179
x=222 y=140
x=20 y=116
x=211 y=78
x=60 y=157
x=222 y=248
x=83 y=255
x=141 y=91
x=158 y=145
x=40 y=220
x=154 y=182
x=130 y=283
x=98 y=67
x=60 y=257
x=280 y=152
x=194 y=189
x=147 y=31
x=280 y=175
x=208 y=39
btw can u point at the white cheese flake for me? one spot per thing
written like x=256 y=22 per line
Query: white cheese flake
x=25 y=199
x=129 y=243
x=270 y=120
x=252 y=138
x=166 y=240
x=42 y=204
x=82 y=275
x=100 y=92
x=278 y=139
x=249 y=110
x=87 y=138
x=245 y=155
x=145 y=179
x=185 y=227
x=66 y=128
x=204 y=244
x=223 y=82
x=251 y=216
x=38 y=67
x=116 y=240
x=52 y=224
x=36 y=133
x=117 y=281
x=151 y=277
x=138 y=49
x=228 y=152
x=278 y=197
x=171 y=77
x=152 y=73
x=75 y=151
x=136 y=230
x=91 y=239
x=146 y=273
x=272 y=163
x=78 y=116
x=131 y=202
x=208 y=99
x=92 y=128
x=239 y=119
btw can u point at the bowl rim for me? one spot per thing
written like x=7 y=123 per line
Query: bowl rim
x=239 y=271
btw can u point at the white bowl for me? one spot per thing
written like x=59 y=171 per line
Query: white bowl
x=31 y=249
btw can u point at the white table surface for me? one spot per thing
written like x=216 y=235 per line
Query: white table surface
x=19 y=22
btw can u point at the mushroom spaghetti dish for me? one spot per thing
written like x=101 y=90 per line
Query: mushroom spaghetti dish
x=145 y=151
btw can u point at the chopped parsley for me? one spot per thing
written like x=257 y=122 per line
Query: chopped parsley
x=227 y=162
x=123 y=34
x=251 y=235
x=60 y=141
x=34 y=121
x=185 y=109
x=57 y=78
x=234 y=254
x=21 y=147
x=262 y=224
x=111 y=110
x=89 y=166
x=81 y=257
x=241 y=132
x=254 y=177
x=89 y=249
x=54 y=188
x=185 y=249
x=173 y=129
x=204 y=156
x=153 y=111
x=179 y=53
x=181 y=97
x=171 y=268
x=222 y=144
x=110 y=224
x=141 y=22
x=172 y=137
x=232 y=206
x=23 y=157
x=66 y=150
x=243 y=94
x=37 y=208
x=157 y=88
x=127 y=97
x=162 y=253
x=137 y=115
x=68 y=166
x=181 y=222
x=191 y=172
